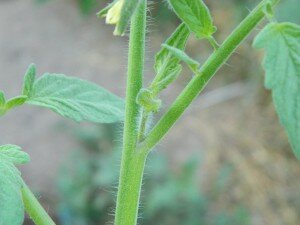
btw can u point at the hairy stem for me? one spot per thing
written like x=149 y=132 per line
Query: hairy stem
x=200 y=80
x=132 y=164
x=34 y=209
x=143 y=124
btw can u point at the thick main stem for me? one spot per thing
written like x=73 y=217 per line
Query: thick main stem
x=34 y=209
x=208 y=70
x=132 y=164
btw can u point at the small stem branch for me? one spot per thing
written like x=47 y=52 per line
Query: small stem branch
x=213 y=42
x=142 y=129
x=34 y=209
x=208 y=70
x=132 y=164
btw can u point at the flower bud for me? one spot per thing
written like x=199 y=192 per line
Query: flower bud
x=114 y=13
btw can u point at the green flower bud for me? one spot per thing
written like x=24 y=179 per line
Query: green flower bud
x=114 y=13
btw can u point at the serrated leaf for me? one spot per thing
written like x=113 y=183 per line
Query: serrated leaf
x=165 y=62
x=29 y=80
x=181 y=55
x=196 y=15
x=14 y=154
x=11 y=203
x=76 y=99
x=16 y=101
x=282 y=65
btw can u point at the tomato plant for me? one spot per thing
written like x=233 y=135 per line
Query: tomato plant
x=81 y=100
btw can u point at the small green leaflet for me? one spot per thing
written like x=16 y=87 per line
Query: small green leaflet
x=18 y=100
x=194 y=65
x=29 y=79
x=166 y=64
x=14 y=102
x=2 y=103
x=11 y=204
x=2 y=99
x=11 y=103
x=196 y=15
x=282 y=65
x=76 y=99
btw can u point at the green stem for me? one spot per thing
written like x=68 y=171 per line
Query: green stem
x=142 y=129
x=213 y=42
x=132 y=164
x=129 y=190
x=208 y=70
x=34 y=209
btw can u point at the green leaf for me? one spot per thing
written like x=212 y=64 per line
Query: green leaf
x=2 y=99
x=282 y=65
x=76 y=99
x=166 y=64
x=193 y=64
x=2 y=103
x=11 y=203
x=29 y=80
x=16 y=101
x=19 y=100
x=14 y=154
x=196 y=15
x=11 y=103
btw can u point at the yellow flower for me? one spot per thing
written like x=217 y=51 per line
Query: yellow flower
x=114 y=13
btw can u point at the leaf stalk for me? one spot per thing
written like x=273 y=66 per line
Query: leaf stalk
x=34 y=209
x=206 y=72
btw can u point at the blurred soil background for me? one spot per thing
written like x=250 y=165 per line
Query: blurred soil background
x=233 y=124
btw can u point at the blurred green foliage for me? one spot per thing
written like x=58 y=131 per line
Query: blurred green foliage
x=285 y=12
x=289 y=10
x=88 y=7
x=85 y=6
x=88 y=180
